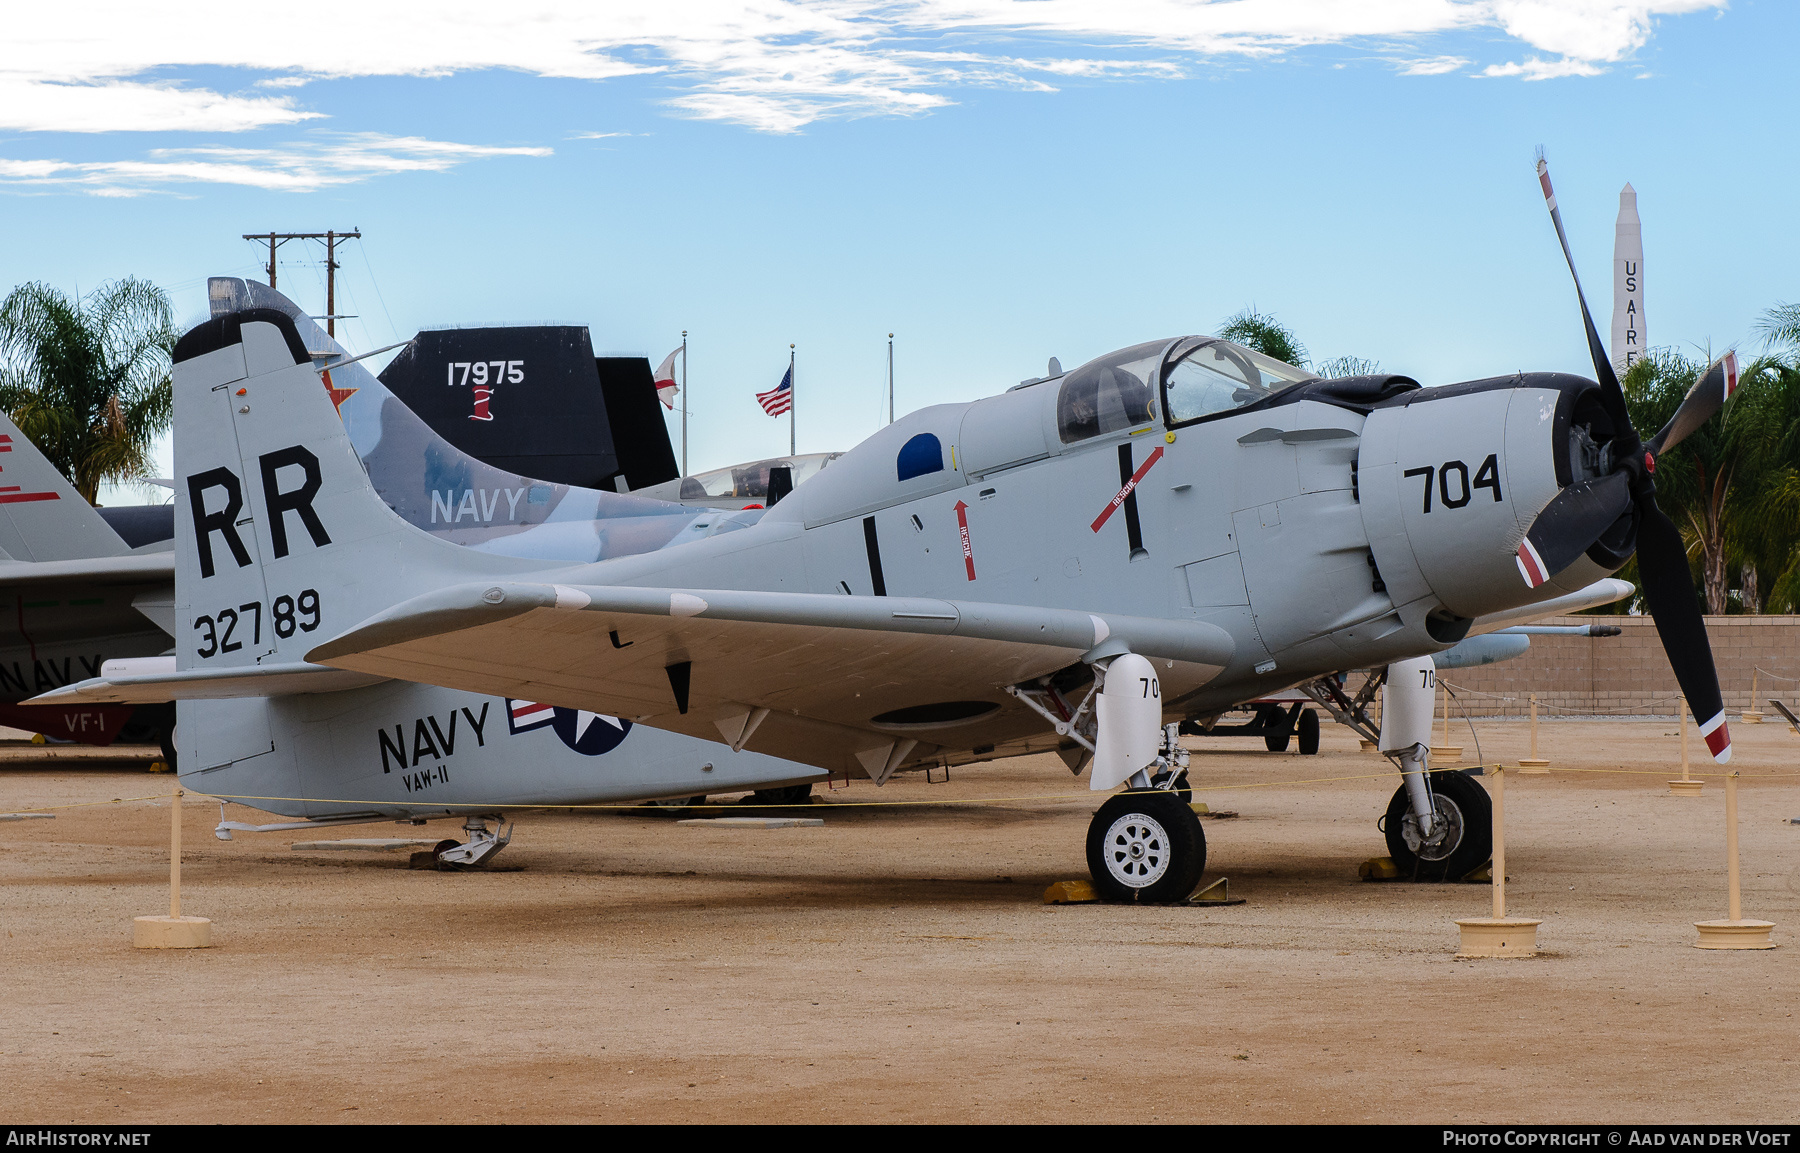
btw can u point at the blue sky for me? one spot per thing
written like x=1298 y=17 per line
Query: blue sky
x=997 y=183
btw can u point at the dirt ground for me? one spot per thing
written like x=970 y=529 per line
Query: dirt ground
x=897 y=964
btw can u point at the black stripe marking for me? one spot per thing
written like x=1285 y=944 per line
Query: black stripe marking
x=874 y=545
x=1134 y=532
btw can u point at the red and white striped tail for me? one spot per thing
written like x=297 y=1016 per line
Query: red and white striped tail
x=1531 y=565
x=1731 y=374
x=1718 y=737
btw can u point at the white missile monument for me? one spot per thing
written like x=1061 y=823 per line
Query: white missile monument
x=1628 y=334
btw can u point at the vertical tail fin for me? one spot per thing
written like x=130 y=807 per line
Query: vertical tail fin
x=42 y=517
x=280 y=539
x=446 y=491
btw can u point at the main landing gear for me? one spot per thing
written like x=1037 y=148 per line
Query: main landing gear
x=1461 y=836
x=1145 y=846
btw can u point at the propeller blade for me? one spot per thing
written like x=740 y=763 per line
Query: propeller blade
x=1708 y=395
x=1611 y=394
x=1669 y=594
x=1570 y=524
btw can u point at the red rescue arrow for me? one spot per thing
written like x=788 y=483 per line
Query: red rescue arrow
x=962 y=526
x=1131 y=484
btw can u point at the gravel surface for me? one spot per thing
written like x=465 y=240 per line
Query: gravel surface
x=897 y=964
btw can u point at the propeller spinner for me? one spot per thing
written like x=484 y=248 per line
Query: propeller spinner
x=1587 y=511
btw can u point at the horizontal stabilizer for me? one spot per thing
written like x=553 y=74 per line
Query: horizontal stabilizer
x=152 y=680
x=132 y=568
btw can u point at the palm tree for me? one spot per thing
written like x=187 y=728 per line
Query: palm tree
x=88 y=379
x=1262 y=333
x=1347 y=366
x=1732 y=484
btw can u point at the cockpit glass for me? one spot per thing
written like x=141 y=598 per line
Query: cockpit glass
x=1216 y=376
x=1111 y=394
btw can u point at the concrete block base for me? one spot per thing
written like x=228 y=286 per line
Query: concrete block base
x=1498 y=937
x=1751 y=717
x=1744 y=934
x=1446 y=754
x=171 y=933
x=1534 y=766
x=1686 y=788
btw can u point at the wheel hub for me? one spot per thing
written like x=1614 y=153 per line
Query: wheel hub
x=1137 y=850
x=1446 y=830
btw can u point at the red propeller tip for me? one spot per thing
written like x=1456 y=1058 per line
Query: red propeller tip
x=1718 y=737
x=1531 y=565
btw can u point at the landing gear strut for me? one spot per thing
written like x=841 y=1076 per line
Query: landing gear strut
x=480 y=847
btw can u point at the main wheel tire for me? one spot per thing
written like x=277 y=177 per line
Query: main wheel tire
x=166 y=739
x=1308 y=732
x=1145 y=847
x=1466 y=842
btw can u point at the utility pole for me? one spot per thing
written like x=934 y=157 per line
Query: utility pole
x=331 y=239
x=684 y=402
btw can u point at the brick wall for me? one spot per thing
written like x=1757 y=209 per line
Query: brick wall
x=1630 y=673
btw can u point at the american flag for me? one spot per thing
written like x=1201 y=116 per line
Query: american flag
x=780 y=398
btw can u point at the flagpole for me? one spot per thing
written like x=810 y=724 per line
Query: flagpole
x=890 y=378
x=684 y=388
x=793 y=389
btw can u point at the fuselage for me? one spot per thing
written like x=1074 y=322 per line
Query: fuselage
x=1326 y=525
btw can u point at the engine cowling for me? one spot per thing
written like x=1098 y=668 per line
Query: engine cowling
x=1450 y=481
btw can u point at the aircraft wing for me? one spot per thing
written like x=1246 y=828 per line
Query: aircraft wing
x=131 y=568
x=839 y=680
x=153 y=680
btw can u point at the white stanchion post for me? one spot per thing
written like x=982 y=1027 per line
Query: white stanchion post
x=173 y=931
x=1499 y=935
x=1734 y=932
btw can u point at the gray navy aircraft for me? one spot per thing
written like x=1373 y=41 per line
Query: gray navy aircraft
x=1081 y=563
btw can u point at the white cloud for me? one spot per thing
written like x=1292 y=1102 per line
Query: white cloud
x=772 y=65
x=1433 y=65
x=303 y=167
x=1537 y=69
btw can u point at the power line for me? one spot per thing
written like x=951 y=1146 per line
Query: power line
x=276 y=239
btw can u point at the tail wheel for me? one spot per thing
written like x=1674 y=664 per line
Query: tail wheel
x=1308 y=732
x=1462 y=837
x=1145 y=847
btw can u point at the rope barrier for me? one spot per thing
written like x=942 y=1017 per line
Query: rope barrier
x=1030 y=798
x=1543 y=704
x=1777 y=676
